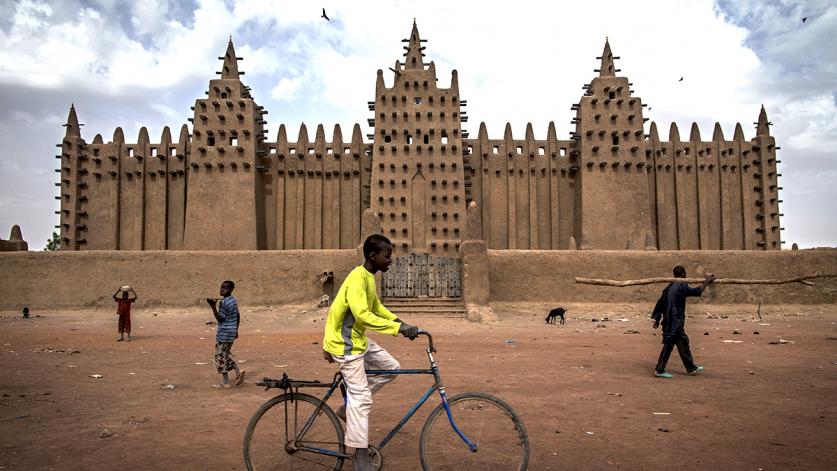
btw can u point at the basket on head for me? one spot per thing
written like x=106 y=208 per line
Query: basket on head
x=125 y=288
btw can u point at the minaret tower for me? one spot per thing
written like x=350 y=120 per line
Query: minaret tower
x=766 y=186
x=417 y=186
x=611 y=206
x=72 y=197
x=224 y=201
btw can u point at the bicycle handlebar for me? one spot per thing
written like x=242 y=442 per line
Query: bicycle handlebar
x=429 y=339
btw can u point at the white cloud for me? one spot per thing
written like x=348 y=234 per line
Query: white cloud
x=287 y=88
x=812 y=123
x=167 y=111
x=149 y=16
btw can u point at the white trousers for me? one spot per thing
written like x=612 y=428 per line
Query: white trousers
x=359 y=389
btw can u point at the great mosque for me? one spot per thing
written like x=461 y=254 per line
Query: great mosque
x=224 y=185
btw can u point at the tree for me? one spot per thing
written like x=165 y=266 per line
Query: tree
x=54 y=243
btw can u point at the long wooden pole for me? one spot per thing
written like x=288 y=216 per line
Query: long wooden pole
x=729 y=281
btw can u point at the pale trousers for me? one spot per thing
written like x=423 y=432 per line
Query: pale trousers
x=359 y=389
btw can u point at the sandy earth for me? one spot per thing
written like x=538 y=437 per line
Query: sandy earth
x=584 y=390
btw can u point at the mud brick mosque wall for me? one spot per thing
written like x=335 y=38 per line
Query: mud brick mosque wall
x=517 y=275
x=611 y=186
x=44 y=280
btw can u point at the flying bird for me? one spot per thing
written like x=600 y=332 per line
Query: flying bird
x=325 y=16
x=681 y=79
x=803 y=19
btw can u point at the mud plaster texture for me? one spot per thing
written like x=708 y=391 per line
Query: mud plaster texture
x=517 y=275
x=167 y=278
x=181 y=278
x=612 y=185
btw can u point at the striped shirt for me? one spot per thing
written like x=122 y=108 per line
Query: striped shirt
x=228 y=327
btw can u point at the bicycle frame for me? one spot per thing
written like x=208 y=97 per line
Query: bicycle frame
x=437 y=386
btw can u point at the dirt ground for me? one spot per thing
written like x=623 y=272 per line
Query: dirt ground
x=584 y=390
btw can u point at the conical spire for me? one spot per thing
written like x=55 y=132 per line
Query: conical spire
x=16 y=234
x=673 y=133
x=414 y=55
x=73 y=128
x=694 y=135
x=551 y=135
x=230 y=68
x=606 y=69
x=717 y=133
x=653 y=134
x=738 y=135
x=763 y=125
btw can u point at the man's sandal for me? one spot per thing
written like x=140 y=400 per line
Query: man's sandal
x=239 y=380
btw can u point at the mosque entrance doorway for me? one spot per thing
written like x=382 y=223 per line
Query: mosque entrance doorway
x=423 y=275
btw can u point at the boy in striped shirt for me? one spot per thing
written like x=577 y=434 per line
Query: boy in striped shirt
x=226 y=313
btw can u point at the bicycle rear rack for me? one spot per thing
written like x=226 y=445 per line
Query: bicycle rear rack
x=286 y=383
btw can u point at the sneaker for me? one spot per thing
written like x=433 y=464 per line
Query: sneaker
x=696 y=370
x=663 y=375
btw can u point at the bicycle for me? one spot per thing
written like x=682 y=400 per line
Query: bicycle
x=485 y=433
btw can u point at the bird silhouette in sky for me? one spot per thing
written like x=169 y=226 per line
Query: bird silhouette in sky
x=803 y=19
x=325 y=16
x=681 y=79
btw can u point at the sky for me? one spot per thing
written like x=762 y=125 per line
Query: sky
x=134 y=63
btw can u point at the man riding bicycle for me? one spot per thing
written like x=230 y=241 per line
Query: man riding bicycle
x=356 y=307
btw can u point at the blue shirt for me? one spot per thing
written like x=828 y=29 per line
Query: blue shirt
x=228 y=327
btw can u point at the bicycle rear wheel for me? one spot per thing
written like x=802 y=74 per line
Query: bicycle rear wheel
x=274 y=439
x=488 y=422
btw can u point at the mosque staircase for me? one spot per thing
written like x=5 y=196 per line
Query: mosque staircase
x=426 y=306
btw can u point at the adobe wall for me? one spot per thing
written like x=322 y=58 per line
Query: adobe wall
x=172 y=278
x=717 y=194
x=77 y=279
x=524 y=188
x=517 y=275
x=315 y=192
x=610 y=186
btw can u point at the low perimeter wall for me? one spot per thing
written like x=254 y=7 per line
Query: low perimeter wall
x=173 y=278
x=166 y=278
x=527 y=275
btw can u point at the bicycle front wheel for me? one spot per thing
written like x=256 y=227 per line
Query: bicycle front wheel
x=488 y=422
x=286 y=434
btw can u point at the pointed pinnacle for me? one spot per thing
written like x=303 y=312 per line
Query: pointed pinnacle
x=763 y=126
x=414 y=57
x=607 y=69
x=73 y=128
x=229 y=70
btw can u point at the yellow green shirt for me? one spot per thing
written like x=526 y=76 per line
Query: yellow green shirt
x=355 y=309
